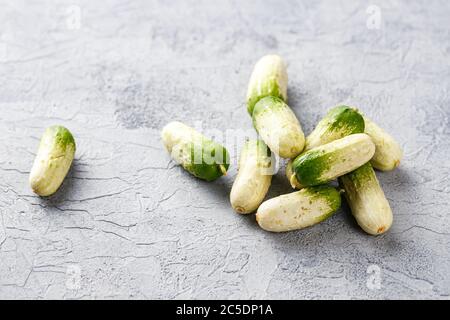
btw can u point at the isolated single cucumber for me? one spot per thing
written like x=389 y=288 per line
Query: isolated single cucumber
x=299 y=209
x=329 y=161
x=278 y=127
x=388 y=152
x=269 y=78
x=53 y=160
x=197 y=154
x=339 y=122
x=366 y=199
x=254 y=177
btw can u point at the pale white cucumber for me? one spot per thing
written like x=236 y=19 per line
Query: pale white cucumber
x=53 y=160
x=367 y=201
x=254 y=177
x=299 y=209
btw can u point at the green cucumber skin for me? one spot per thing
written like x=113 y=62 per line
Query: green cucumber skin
x=204 y=150
x=346 y=120
x=362 y=176
x=200 y=156
x=339 y=122
x=328 y=193
x=309 y=166
x=271 y=89
x=63 y=137
x=329 y=161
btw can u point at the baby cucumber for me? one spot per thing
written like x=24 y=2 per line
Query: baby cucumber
x=329 y=161
x=254 y=177
x=366 y=199
x=269 y=78
x=278 y=127
x=53 y=160
x=200 y=156
x=299 y=209
x=388 y=152
x=339 y=122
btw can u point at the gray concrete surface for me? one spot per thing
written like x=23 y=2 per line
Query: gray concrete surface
x=128 y=223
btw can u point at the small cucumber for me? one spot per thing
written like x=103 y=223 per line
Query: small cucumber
x=329 y=161
x=388 y=152
x=278 y=127
x=269 y=78
x=299 y=209
x=254 y=177
x=366 y=199
x=53 y=160
x=197 y=154
x=339 y=122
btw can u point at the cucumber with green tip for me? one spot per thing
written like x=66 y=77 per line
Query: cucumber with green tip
x=329 y=161
x=299 y=209
x=388 y=152
x=278 y=127
x=254 y=177
x=269 y=78
x=339 y=122
x=53 y=160
x=200 y=156
x=366 y=199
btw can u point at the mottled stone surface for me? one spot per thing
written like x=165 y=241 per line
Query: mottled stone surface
x=128 y=223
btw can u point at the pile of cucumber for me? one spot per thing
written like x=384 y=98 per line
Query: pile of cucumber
x=345 y=145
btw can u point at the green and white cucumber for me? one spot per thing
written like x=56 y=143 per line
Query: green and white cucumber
x=200 y=156
x=269 y=78
x=299 y=209
x=388 y=152
x=278 y=126
x=366 y=199
x=254 y=177
x=53 y=160
x=329 y=161
x=339 y=122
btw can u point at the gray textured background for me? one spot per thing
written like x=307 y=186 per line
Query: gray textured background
x=128 y=223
